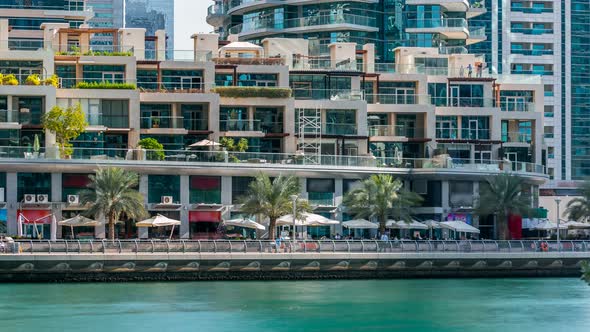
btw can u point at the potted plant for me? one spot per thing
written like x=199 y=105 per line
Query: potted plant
x=33 y=79
x=36 y=146
x=156 y=123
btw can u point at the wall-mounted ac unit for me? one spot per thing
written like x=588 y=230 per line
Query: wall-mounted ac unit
x=73 y=199
x=167 y=199
x=30 y=198
x=42 y=198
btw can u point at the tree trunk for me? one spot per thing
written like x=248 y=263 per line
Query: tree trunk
x=502 y=224
x=271 y=229
x=112 y=226
x=382 y=224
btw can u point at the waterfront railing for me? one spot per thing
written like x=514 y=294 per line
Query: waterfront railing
x=300 y=246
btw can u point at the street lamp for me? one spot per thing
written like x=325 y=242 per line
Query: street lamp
x=294 y=199
x=557 y=201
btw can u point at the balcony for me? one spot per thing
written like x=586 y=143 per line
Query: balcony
x=469 y=102
x=451 y=28
x=517 y=106
x=531 y=52
x=8 y=116
x=340 y=129
x=269 y=127
x=517 y=137
x=272 y=61
x=327 y=94
x=531 y=10
x=240 y=125
x=14 y=44
x=167 y=122
x=196 y=124
x=320 y=199
x=325 y=63
x=475 y=134
x=94 y=120
x=396 y=131
x=216 y=14
x=398 y=99
x=71 y=50
x=532 y=31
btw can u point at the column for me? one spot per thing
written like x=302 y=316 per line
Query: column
x=56 y=196
x=100 y=230
x=338 y=197
x=11 y=202
x=142 y=232
x=445 y=197
x=185 y=205
x=226 y=190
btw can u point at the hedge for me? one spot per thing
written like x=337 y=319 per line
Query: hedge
x=252 y=92
x=105 y=85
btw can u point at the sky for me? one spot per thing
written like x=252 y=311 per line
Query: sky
x=189 y=17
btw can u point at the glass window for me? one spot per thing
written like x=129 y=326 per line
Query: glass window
x=163 y=185
x=33 y=183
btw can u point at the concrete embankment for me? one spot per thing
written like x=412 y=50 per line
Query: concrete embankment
x=271 y=266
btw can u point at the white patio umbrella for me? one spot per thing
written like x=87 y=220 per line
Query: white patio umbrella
x=572 y=224
x=245 y=222
x=432 y=224
x=459 y=226
x=547 y=225
x=306 y=219
x=359 y=224
x=78 y=221
x=204 y=143
x=392 y=224
x=159 y=221
x=414 y=224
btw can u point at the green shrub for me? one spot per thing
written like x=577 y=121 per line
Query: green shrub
x=9 y=79
x=252 y=92
x=105 y=85
x=155 y=149
x=33 y=79
x=108 y=53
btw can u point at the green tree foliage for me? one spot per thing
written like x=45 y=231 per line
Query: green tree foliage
x=579 y=207
x=155 y=149
x=272 y=199
x=379 y=197
x=111 y=193
x=502 y=195
x=67 y=124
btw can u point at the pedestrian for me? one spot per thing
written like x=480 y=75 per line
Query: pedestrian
x=384 y=237
x=479 y=66
x=469 y=70
x=461 y=71
x=278 y=243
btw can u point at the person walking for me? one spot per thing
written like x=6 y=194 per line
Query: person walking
x=469 y=70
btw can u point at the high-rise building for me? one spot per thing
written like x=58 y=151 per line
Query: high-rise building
x=545 y=38
x=107 y=14
x=152 y=15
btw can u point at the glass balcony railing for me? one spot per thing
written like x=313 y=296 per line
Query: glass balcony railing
x=437 y=23
x=477 y=32
x=531 y=31
x=94 y=119
x=517 y=107
x=325 y=62
x=463 y=102
x=475 y=134
x=170 y=122
x=517 y=137
x=8 y=116
x=195 y=124
x=99 y=155
x=216 y=9
x=397 y=99
x=531 y=10
x=269 y=127
x=340 y=129
x=327 y=94
x=239 y=125
x=396 y=131
x=320 y=199
x=531 y=52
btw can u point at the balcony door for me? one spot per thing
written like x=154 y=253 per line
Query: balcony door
x=473 y=129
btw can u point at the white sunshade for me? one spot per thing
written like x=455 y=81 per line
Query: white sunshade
x=79 y=221
x=204 y=143
x=359 y=224
x=392 y=224
x=308 y=219
x=411 y=225
x=431 y=223
x=572 y=224
x=246 y=223
x=240 y=46
x=547 y=225
x=459 y=226
x=158 y=221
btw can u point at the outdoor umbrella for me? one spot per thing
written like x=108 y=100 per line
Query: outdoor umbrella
x=547 y=225
x=432 y=224
x=359 y=224
x=459 y=226
x=392 y=224
x=245 y=222
x=306 y=219
x=572 y=224
x=204 y=143
x=78 y=221
x=411 y=225
x=159 y=221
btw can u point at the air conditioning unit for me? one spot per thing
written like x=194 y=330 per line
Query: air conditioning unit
x=167 y=199
x=42 y=198
x=30 y=198
x=73 y=199
x=2 y=195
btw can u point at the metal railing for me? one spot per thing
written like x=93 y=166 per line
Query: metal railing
x=154 y=122
x=327 y=94
x=396 y=130
x=301 y=246
x=260 y=158
x=517 y=137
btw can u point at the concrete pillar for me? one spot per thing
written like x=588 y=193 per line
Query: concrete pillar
x=369 y=58
x=11 y=191
x=51 y=37
x=100 y=230
x=226 y=190
x=142 y=232
x=338 y=197
x=341 y=52
x=4 y=34
x=56 y=196
x=205 y=45
x=133 y=40
x=185 y=205
x=445 y=199
x=161 y=45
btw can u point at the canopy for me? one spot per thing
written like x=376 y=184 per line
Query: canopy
x=158 y=221
x=547 y=225
x=411 y=225
x=392 y=224
x=431 y=223
x=459 y=226
x=204 y=143
x=79 y=221
x=360 y=224
x=240 y=46
x=307 y=219
x=246 y=223
x=572 y=224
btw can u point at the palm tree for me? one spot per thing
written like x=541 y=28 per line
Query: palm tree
x=579 y=207
x=111 y=194
x=272 y=199
x=586 y=272
x=380 y=197
x=502 y=196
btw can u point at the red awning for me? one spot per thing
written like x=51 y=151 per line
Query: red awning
x=205 y=182
x=35 y=216
x=204 y=216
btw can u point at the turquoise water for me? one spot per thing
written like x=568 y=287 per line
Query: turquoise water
x=382 y=305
